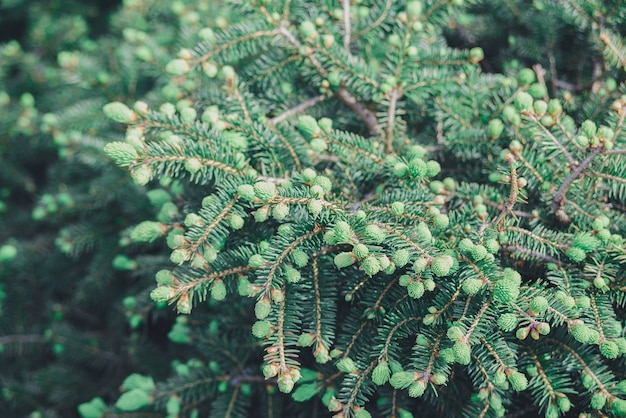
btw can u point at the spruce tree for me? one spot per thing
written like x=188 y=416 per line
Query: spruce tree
x=355 y=211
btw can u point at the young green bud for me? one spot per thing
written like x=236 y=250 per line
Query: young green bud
x=280 y=211
x=414 y=8
x=585 y=241
x=256 y=261
x=476 y=55
x=244 y=287
x=400 y=170
x=346 y=365
x=307 y=29
x=420 y=265
x=381 y=373
x=162 y=294
x=539 y=304
x=589 y=128
x=375 y=233
x=526 y=76
x=121 y=153
x=447 y=355
x=619 y=407
x=605 y=132
x=363 y=414
x=148 y=231
x=285 y=383
x=402 y=380
x=177 y=67
x=262 y=308
x=119 y=112
x=554 y=107
x=261 y=329
x=344 y=259
x=246 y=191
x=164 y=277
x=415 y=289
x=441 y=265
x=292 y=275
x=308 y=126
x=401 y=257
x=423 y=232
x=564 y=403
x=371 y=265
x=492 y=246
x=361 y=251
x=508 y=322
x=141 y=175
x=417 y=389
x=598 y=401
x=315 y=207
x=417 y=168
x=218 y=290
x=236 y=222
x=496 y=127
x=576 y=254
x=540 y=107
x=518 y=381
x=261 y=214
x=462 y=352
x=441 y=221
x=300 y=258
x=397 y=208
x=522 y=333
x=455 y=333
x=609 y=349
x=537 y=90
x=524 y=102
x=193 y=165
x=306 y=339
x=478 y=252
x=432 y=168
x=264 y=190
x=472 y=286
x=581 y=332
x=505 y=291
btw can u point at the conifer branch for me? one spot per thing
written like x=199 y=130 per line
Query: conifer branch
x=377 y=22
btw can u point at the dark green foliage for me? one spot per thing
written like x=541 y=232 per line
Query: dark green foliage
x=353 y=215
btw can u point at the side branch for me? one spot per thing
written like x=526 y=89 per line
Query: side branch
x=296 y=109
x=346 y=25
x=561 y=194
x=368 y=117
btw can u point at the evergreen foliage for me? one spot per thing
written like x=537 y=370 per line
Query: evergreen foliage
x=349 y=209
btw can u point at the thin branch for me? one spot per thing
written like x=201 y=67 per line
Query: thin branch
x=526 y=251
x=296 y=109
x=368 y=117
x=561 y=194
x=346 y=25
x=391 y=117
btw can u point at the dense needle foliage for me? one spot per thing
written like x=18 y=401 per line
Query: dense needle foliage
x=278 y=208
